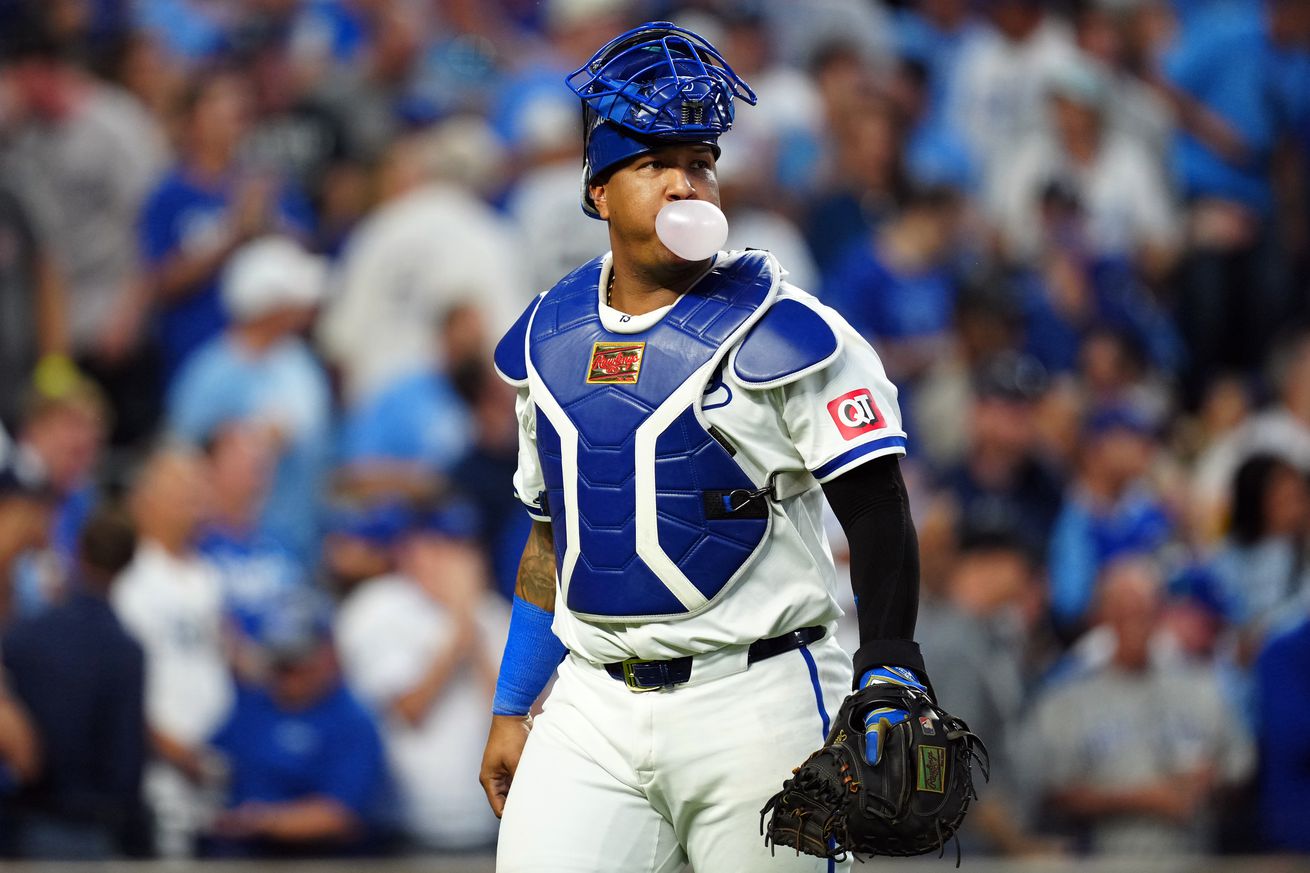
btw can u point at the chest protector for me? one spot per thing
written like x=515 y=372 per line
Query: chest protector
x=651 y=516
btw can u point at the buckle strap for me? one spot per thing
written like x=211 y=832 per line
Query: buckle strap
x=641 y=675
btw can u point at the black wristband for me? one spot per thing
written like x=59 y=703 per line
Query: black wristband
x=890 y=653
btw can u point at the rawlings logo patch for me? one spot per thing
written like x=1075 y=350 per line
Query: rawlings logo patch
x=615 y=363
x=932 y=769
x=855 y=413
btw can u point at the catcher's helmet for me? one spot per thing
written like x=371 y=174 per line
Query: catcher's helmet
x=654 y=85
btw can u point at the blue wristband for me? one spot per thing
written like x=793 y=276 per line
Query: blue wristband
x=532 y=653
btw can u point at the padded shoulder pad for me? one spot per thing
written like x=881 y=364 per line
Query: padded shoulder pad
x=791 y=340
x=511 y=357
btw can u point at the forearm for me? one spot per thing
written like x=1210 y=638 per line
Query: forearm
x=19 y=747
x=51 y=311
x=181 y=274
x=413 y=705
x=312 y=819
x=874 y=510
x=532 y=651
x=536 y=578
x=1168 y=798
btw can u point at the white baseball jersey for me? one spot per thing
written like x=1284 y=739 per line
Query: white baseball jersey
x=810 y=430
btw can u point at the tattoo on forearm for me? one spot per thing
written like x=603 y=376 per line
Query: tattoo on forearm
x=536 y=579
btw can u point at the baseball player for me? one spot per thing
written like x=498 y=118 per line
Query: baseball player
x=681 y=424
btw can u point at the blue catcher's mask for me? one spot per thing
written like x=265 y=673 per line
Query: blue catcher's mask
x=655 y=85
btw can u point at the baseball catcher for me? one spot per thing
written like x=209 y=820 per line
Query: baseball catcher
x=895 y=776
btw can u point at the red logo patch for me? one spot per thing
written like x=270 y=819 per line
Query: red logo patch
x=615 y=363
x=855 y=413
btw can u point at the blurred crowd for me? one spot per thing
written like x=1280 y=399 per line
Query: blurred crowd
x=257 y=532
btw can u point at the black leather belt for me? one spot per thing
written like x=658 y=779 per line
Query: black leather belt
x=642 y=675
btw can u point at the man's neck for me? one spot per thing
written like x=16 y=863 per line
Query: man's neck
x=256 y=337
x=177 y=545
x=636 y=291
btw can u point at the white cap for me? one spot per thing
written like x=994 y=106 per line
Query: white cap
x=270 y=273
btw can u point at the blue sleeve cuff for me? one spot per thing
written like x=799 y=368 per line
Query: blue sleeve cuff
x=887 y=445
x=532 y=653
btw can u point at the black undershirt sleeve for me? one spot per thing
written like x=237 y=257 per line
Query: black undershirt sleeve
x=873 y=507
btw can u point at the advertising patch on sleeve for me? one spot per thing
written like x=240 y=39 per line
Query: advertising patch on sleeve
x=855 y=413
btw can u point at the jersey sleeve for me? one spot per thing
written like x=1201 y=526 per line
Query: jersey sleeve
x=529 y=486
x=846 y=413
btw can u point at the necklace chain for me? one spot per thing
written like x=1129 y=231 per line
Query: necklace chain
x=609 y=290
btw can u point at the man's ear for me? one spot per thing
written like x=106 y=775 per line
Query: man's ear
x=598 y=198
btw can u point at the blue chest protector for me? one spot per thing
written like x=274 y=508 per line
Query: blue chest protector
x=648 y=509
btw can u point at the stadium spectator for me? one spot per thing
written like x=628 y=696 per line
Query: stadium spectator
x=772 y=150
x=557 y=236
x=416 y=422
x=995 y=93
x=422 y=646
x=33 y=324
x=206 y=207
x=82 y=679
x=981 y=629
x=1126 y=205
x=83 y=162
x=306 y=769
x=262 y=372
x=1134 y=750
x=897 y=286
x=1260 y=567
x=932 y=34
x=1236 y=76
x=298 y=136
x=364 y=93
x=1110 y=511
x=1002 y=482
x=171 y=600
x=493 y=456
x=363 y=526
x=1283 y=679
x=985 y=325
x=59 y=447
x=863 y=177
x=433 y=243
x=256 y=569
x=1122 y=39
x=26 y=516
x=1281 y=429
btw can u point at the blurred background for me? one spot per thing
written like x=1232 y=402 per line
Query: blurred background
x=257 y=535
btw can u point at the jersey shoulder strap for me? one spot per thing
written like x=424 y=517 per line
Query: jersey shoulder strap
x=791 y=340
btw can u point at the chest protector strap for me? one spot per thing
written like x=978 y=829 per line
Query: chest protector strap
x=652 y=518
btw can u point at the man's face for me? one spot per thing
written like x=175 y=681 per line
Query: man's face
x=299 y=683
x=635 y=193
x=68 y=441
x=223 y=114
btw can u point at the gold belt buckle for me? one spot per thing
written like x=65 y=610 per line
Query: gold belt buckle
x=630 y=679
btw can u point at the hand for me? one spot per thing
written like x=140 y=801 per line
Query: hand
x=451 y=572
x=509 y=733
x=241 y=822
x=879 y=722
x=121 y=331
x=252 y=207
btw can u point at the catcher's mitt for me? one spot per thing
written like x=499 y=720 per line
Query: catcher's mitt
x=910 y=803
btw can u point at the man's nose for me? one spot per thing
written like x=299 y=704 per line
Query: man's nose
x=679 y=185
